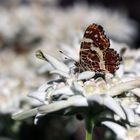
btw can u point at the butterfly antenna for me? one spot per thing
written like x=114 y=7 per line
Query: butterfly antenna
x=66 y=56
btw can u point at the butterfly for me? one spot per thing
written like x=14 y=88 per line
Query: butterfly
x=95 y=52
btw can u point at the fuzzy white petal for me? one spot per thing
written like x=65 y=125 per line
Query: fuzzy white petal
x=116 y=128
x=44 y=69
x=53 y=61
x=86 y=75
x=25 y=114
x=137 y=120
x=136 y=91
x=109 y=102
x=122 y=87
x=130 y=114
x=137 y=110
x=77 y=101
x=38 y=95
x=61 y=73
x=77 y=88
x=44 y=87
x=64 y=90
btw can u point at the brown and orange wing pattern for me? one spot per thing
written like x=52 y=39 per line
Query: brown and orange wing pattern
x=112 y=60
x=95 y=54
x=96 y=34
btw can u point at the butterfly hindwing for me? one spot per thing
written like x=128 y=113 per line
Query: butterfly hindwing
x=112 y=60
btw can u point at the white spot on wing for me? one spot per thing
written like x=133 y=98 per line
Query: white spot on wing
x=95 y=35
x=87 y=32
x=92 y=48
x=100 y=54
x=87 y=40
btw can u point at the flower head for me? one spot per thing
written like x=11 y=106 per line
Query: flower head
x=109 y=98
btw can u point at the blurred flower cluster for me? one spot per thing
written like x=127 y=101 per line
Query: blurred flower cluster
x=27 y=28
x=26 y=25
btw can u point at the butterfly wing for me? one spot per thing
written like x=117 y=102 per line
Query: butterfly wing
x=112 y=60
x=89 y=60
x=95 y=54
x=96 y=34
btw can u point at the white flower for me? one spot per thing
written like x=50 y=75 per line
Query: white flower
x=33 y=22
x=17 y=79
x=9 y=98
x=71 y=93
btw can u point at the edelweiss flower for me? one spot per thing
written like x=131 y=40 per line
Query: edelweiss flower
x=96 y=99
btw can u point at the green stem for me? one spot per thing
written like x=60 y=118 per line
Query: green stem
x=89 y=127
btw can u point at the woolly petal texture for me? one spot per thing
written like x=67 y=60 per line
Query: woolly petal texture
x=73 y=93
